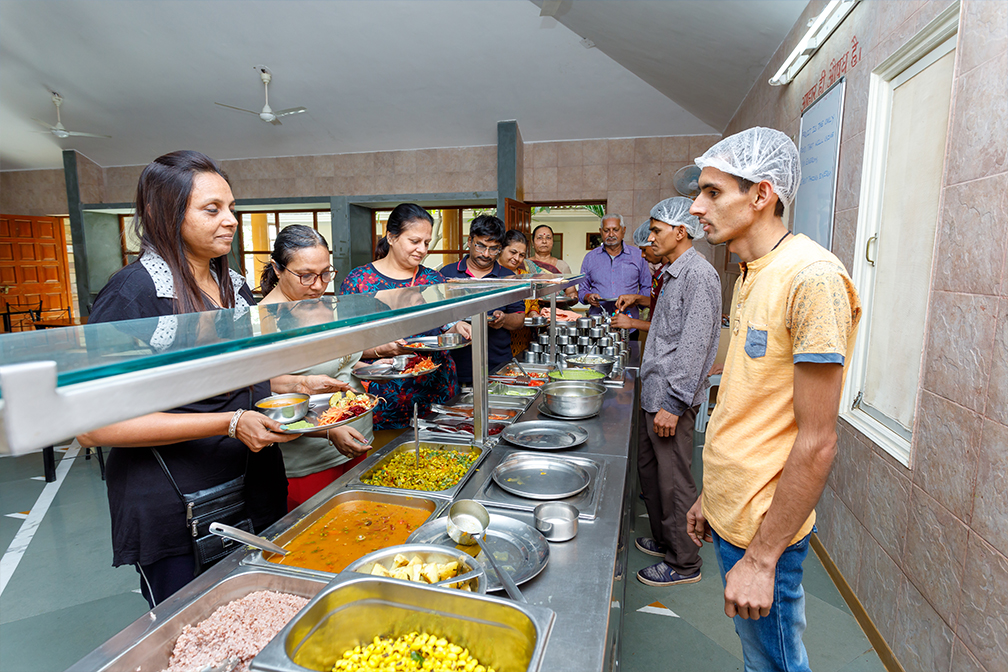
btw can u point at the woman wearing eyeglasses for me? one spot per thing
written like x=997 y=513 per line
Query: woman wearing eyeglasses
x=399 y=263
x=300 y=268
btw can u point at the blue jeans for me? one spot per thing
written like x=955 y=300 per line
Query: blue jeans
x=773 y=642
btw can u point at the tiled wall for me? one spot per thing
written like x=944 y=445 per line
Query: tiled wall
x=926 y=549
x=36 y=193
x=632 y=174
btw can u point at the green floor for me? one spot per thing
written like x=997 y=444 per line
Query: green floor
x=64 y=598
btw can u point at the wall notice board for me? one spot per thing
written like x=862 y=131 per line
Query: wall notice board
x=819 y=151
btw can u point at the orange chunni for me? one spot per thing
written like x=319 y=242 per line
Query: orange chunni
x=350 y=531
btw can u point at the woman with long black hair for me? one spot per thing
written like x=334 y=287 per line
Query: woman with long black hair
x=185 y=222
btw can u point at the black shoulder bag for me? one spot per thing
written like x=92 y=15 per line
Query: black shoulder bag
x=224 y=503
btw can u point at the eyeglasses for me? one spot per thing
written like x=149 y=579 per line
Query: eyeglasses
x=308 y=279
x=480 y=247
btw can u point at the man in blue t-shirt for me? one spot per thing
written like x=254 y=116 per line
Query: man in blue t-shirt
x=486 y=238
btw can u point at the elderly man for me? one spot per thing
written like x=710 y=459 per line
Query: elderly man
x=772 y=438
x=486 y=240
x=655 y=264
x=680 y=349
x=613 y=269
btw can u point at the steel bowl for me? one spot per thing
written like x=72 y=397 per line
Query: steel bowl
x=543 y=339
x=450 y=340
x=584 y=323
x=530 y=357
x=573 y=398
x=535 y=347
x=284 y=408
x=561 y=340
x=570 y=349
x=558 y=521
x=600 y=363
x=427 y=553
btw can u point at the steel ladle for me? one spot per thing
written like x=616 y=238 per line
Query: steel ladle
x=254 y=540
x=467 y=522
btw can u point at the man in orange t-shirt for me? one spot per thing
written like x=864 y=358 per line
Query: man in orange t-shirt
x=772 y=438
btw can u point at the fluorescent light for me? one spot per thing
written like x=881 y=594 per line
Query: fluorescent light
x=820 y=30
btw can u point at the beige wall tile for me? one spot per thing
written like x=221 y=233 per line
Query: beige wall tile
x=877 y=586
x=382 y=184
x=934 y=554
x=844 y=230
x=595 y=152
x=983 y=34
x=427 y=181
x=426 y=161
x=404 y=183
x=384 y=163
x=825 y=516
x=303 y=186
x=945 y=453
x=620 y=201
x=997 y=390
x=324 y=166
x=621 y=150
x=484 y=180
x=847 y=536
x=486 y=159
x=529 y=180
x=990 y=514
x=923 y=640
x=570 y=154
x=595 y=181
x=849 y=476
x=983 y=618
x=959 y=350
x=849 y=173
x=545 y=185
x=404 y=162
x=621 y=176
x=647 y=150
x=644 y=200
x=545 y=155
x=698 y=144
x=887 y=505
x=647 y=176
x=569 y=182
x=675 y=148
x=971 y=242
x=979 y=125
x=963 y=660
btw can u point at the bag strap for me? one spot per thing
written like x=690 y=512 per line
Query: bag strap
x=164 y=466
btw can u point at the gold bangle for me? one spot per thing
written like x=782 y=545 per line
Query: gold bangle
x=233 y=427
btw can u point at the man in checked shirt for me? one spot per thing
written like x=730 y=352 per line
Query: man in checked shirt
x=680 y=349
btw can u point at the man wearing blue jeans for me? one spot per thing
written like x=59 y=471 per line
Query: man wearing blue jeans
x=772 y=438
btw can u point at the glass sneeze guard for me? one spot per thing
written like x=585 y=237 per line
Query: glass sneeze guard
x=57 y=383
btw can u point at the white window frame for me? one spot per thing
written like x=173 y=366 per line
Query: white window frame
x=935 y=40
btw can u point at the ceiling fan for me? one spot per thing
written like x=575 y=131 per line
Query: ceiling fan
x=59 y=130
x=267 y=113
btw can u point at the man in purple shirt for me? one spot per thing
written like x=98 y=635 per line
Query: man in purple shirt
x=613 y=269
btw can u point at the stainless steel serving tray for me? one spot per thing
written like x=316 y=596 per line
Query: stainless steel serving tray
x=354 y=609
x=503 y=400
x=405 y=444
x=146 y=645
x=588 y=501
x=541 y=477
x=520 y=549
x=545 y=434
x=418 y=500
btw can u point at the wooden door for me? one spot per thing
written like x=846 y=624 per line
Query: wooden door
x=33 y=268
x=518 y=215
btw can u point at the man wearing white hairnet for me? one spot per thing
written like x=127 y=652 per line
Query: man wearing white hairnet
x=680 y=349
x=772 y=437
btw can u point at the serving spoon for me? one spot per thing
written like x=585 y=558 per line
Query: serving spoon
x=253 y=540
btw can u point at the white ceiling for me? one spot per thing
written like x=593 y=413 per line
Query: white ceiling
x=374 y=74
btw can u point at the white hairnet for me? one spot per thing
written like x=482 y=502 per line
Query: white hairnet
x=641 y=233
x=758 y=154
x=675 y=212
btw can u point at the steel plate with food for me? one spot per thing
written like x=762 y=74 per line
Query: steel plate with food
x=442 y=466
x=466 y=411
x=412 y=367
x=350 y=529
x=437 y=343
x=328 y=411
x=450 y=424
